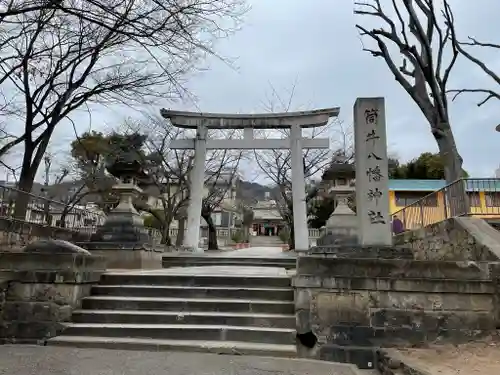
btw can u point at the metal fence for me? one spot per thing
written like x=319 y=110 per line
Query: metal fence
x=25 y=217
x=464 y=197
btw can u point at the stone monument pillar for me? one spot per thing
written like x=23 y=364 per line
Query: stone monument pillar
x=300 y=229
x=372 y=172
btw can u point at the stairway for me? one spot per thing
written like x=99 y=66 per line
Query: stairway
x=284 y=260
x=250 y=315
x=265 y=241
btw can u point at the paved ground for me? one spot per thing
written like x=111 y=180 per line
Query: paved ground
x=43 y=360
x=211 y=271
x=226 y=270
x=258 y=251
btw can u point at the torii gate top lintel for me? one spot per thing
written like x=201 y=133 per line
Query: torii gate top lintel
x=305 y=119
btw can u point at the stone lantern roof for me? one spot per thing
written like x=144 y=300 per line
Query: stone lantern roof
x=339 y=170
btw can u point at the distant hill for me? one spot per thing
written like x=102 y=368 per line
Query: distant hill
x=251 y=192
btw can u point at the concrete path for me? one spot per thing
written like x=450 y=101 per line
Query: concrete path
x=46 y=360
x=226 y=270
x=211 y=271
x=263 y=251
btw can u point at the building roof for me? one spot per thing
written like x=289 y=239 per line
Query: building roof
x=267 y=215
x=473 y=184
x=416 y=185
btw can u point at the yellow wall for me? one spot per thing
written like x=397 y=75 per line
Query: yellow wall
x=414 y=215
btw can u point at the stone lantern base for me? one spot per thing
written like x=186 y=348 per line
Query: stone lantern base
x=123 y=239
x=341 y=227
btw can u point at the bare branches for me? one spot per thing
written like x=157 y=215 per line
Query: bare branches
x=490 y=94
x=426 y=78
x=169 y=172
x=459 y=46
x=59 y=56
x=416 y=47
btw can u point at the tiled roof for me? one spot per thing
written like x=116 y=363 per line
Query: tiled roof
x=416 y=185
x=473 y=184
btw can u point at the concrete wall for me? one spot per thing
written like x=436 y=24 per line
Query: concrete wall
x=460 y=238
x=38 y=292
x=391 y=302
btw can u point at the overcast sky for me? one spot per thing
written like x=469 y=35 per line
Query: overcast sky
x=315 y=44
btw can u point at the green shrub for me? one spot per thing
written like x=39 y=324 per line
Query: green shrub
x=284 y=235
x=237 y=236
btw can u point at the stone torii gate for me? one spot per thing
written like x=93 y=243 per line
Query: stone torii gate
x=294 y=121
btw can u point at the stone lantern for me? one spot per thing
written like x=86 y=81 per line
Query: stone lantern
x=124 y=227
x=340 y=182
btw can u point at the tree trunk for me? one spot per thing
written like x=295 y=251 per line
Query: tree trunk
x=23 y=198
x=28 y=171
x=180 y=234
x=165 y=236
x=212 y=231
x=452 y=161
x=165 y=231
x=456 y=195
x=246 y=233
x=212 y=236
x=291 y=238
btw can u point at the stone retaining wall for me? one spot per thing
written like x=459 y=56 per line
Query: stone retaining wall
x=355 y=305
x=40 y=292
x=459 y=238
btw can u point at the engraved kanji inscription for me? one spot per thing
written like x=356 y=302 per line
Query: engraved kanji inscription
x=372 y=155
x=374 y=195
x=372 y=136
x=371 y=116
x=376 y=217
x=374 y=174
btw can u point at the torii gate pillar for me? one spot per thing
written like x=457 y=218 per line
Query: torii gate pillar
x=294 y=121
x=192 y=238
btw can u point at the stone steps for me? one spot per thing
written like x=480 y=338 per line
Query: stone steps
x=279 y=293
x=187 y=304
x=146 y=278
x=257 y=241
x=160 y=311
x=182 y=317
x=169 y=261
x=219 y=347
x=184 y=332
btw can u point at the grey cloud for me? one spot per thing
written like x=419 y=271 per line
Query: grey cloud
x=316 y=43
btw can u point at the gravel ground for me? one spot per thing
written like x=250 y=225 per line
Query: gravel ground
x=42 y=360
x=475 y=358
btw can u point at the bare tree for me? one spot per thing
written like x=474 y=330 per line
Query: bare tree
x=55 y=61
x=473 y=42
x=426 y=61
x=222 y=172
x=170 y=170
x=67 y=186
